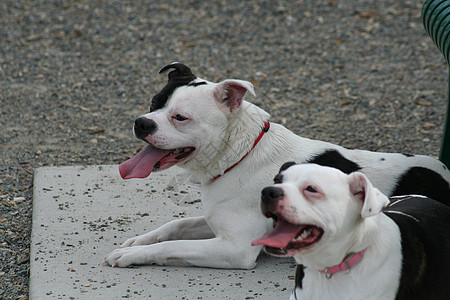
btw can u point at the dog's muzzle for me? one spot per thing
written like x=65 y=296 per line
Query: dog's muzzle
x=144 y=127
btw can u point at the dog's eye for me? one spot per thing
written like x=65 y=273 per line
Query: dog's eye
x=311 y=189
x=180 y=118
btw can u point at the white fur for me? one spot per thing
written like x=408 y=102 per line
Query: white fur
x=231 y=220
x=348 y=227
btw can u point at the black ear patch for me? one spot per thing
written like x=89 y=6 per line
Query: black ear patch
x=181 y=75
x=279 y=178
x=286 y=165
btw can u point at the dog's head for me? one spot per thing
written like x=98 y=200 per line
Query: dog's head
x=317 y=210
x=189 y=115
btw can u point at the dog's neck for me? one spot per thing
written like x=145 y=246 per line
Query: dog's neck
x=346 y=265
x=260 y=136
x=376 y=234
x=365 y=233
x=243 y=129
x=382 y=253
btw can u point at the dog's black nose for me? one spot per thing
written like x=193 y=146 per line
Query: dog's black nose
x=144 y=127
x=271 y=194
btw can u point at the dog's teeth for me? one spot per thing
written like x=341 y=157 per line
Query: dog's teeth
x=181 y=151
x=303 y=236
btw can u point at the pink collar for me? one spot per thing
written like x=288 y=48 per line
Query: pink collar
x=263 y=131
x=349 y=261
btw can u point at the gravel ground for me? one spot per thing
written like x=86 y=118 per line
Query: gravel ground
x=75 y=74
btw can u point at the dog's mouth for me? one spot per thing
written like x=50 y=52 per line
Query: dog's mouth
x=152 y=159
x=287 y=239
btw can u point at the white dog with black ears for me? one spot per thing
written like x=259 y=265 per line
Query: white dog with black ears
x=228 y=143
x=351 y=242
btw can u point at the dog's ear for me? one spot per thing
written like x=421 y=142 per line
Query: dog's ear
x=231 y=92
x=362 y=190
x=286 y=165
x=279 y=178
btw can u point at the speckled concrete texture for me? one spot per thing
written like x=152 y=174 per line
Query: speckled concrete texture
x=80 y=214
x=76 y=74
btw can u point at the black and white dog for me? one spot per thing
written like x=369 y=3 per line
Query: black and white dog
x=352 y=242
x=228 y=143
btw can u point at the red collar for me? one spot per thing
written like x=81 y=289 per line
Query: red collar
x=263 y=131
x=349 y=261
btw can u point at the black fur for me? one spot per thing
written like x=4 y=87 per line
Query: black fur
x=332 y=158
x=197 y=83
x=279 y=178
x=425 y=240
x=423 y=181
x=299 y=274
x=286 y=165
x=182 y=75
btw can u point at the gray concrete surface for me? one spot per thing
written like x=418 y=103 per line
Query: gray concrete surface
x=82 y=213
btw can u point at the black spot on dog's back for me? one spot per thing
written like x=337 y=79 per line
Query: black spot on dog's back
x=424 y=226
x=423 y=181
x=332 y=158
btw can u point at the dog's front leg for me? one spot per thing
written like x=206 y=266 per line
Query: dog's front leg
x=212 y=253
x=182 y=229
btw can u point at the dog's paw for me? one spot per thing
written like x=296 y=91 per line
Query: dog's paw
x=144 y=239
x=124 y=257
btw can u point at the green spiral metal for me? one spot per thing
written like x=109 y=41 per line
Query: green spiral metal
x=436 y=20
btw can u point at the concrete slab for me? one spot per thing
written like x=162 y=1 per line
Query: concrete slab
x=82 y=213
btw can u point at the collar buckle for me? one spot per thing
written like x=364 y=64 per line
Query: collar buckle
x=349 y=257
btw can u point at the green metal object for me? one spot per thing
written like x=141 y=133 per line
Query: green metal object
x=436 y=20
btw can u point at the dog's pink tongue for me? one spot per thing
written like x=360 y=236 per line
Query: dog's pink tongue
x=280 y=236
x=141 y=165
